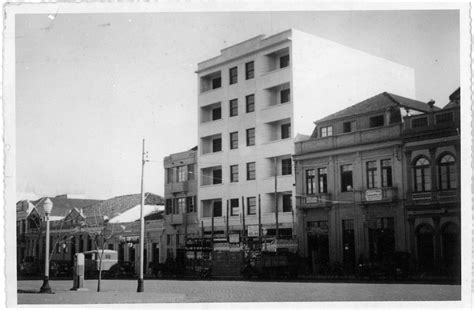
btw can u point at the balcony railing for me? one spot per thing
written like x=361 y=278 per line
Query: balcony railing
x=376 y=195
x=433 y=197
x=320 y=200
x=349 y=139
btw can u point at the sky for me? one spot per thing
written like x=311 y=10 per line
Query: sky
x=90 y=87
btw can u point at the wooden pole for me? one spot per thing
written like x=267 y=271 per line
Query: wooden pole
x=212 y=222
x=259 y=219
x=227 y=221
x=275 y=170
x=243 y=218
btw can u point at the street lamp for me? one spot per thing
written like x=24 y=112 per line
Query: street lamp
x=48 y=207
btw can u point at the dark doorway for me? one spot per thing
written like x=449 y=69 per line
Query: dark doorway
x=381 y=238
x=348 y=245
x=451 y=247
x=132 y=255
x=121 y=252
x=425 y=248
x=318 y=245
x=155 y=253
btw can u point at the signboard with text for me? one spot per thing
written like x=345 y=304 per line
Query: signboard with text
x=234 y=238
x=373 y=194
x=252 y=230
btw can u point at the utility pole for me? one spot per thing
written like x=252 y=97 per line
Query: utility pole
x=243 y=220
x=140 y=287
x=275 y=168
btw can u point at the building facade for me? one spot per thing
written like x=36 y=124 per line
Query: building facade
x=180 y=220
x=253 y=99
x=350 y=184
x=432 y=164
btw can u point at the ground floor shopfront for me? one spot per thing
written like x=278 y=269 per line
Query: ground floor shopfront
x=347 y=234
x=435 y=237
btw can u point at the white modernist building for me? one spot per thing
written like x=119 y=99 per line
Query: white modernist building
x=253 y=100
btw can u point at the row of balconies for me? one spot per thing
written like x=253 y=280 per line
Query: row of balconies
x=379 y=195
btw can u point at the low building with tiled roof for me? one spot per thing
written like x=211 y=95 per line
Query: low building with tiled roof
x=396 y=105
x=117 y=206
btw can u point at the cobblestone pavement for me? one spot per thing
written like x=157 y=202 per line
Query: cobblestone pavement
x=179 y=291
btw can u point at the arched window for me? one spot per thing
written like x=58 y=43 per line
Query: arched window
x=422 y=175
x=447 y=172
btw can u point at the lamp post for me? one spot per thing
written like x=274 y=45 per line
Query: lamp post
x=140 y=287
x=48 y=207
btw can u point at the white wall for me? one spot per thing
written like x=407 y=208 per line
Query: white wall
x=329 y=77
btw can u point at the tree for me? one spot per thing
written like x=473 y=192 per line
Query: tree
x=101 y=232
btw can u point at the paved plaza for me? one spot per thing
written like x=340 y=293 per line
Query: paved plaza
x=181 y=291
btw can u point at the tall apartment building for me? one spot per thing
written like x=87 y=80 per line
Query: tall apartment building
x=253 y=99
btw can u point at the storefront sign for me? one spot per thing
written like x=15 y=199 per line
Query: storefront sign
x=234 y=238
x=130 y=239
x=252 y=230
x=373 y=194
x=313 y=199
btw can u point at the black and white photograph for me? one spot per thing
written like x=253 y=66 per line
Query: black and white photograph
x=237 y=154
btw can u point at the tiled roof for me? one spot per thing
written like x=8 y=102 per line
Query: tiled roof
x=62 y=205
x=117 y=205
x=154 y=216
x=379 y=102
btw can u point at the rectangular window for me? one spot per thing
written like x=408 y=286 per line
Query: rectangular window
x=249 y=70
x=251 y=205
x=234 y=140
x=234 y=207
x=285 y=95
x=419 y=122
x=284 y=61
x=285 y=131
x=234 y=173
x=190 y=205
x=376 y=121
x=217 y=145
x=181 y=205
x=310 y=182
x=233 y=107
x=346 y=178
x=169 y=175
x=217 y=176
x=250 y=136
x=326 y=131
x=323 y=180
x=216 y=82
x=233 y=75
x=386 y=172
x=371 y=170
x=287 y=203
x=216 y=113
x=348 y=126
x=181 y=173
x=251 y=171
x=168 y=206
x=444 y=118
x=286 y=166
x=250 y=103
x=217 y=208
x=190 y=172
